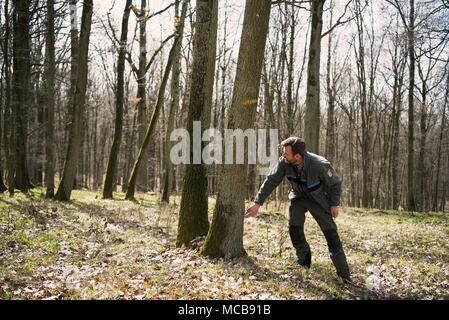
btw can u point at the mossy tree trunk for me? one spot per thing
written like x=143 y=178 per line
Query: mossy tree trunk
x=193 y=219
x=225 y=237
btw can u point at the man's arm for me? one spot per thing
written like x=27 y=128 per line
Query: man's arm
x=273 y=179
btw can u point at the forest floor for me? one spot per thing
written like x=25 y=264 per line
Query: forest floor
x=91 y=248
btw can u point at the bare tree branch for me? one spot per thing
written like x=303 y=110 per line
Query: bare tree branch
x=339 y=21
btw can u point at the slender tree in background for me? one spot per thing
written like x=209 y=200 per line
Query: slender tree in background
x=142 y=178
x=173 y=108
x=312 y=119
x=111 y=171
x=50 y=100
x=73 y=50
x=440 y=142
x=73 y=149
x=3 y=187
x=150 y=128
x=193 y=219
x=365 y=85
x=399 y=60
x=411 y=115
x=225 y=237
x=330 y=88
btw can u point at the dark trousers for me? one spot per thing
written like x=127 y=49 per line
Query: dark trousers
x=297 y=217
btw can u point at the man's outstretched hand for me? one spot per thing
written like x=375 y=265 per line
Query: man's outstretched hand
x=252 y=211
x=335 y=211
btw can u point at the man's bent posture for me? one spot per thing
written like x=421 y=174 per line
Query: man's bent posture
x=316 y=188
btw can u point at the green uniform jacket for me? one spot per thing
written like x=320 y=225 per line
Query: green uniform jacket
x=317 y=180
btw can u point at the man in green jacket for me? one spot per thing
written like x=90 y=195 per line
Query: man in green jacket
x=316 y=188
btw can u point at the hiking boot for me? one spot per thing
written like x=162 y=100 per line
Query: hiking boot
x=307 y=262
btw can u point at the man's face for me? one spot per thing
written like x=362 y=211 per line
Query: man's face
x=289 y=157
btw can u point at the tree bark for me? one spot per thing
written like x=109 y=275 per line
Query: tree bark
x=9 y=132
x=330 y=128
x=111 y=171
x=312 y=118
x=73 y=150
x=421 y=169
x=21 y=85
x=74 y=42
x=50 y=100
x=4 y=132
x=397 y=96
x=411 y=205
x=225 y=237
x=291 y=112
x=193 y=219
x=142 y=179
x=440 y=143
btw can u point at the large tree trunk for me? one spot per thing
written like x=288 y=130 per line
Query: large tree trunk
x=50 y=100
x=73 y=150
x=193 y=220
x=150 y=128
x=173 y=109
x=21 y=79
x=225 y=237
x=312 y=118
x=111 y=171
x=411 y=117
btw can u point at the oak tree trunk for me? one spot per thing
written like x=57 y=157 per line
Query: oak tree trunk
x=193 y=219
x=225 y=237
